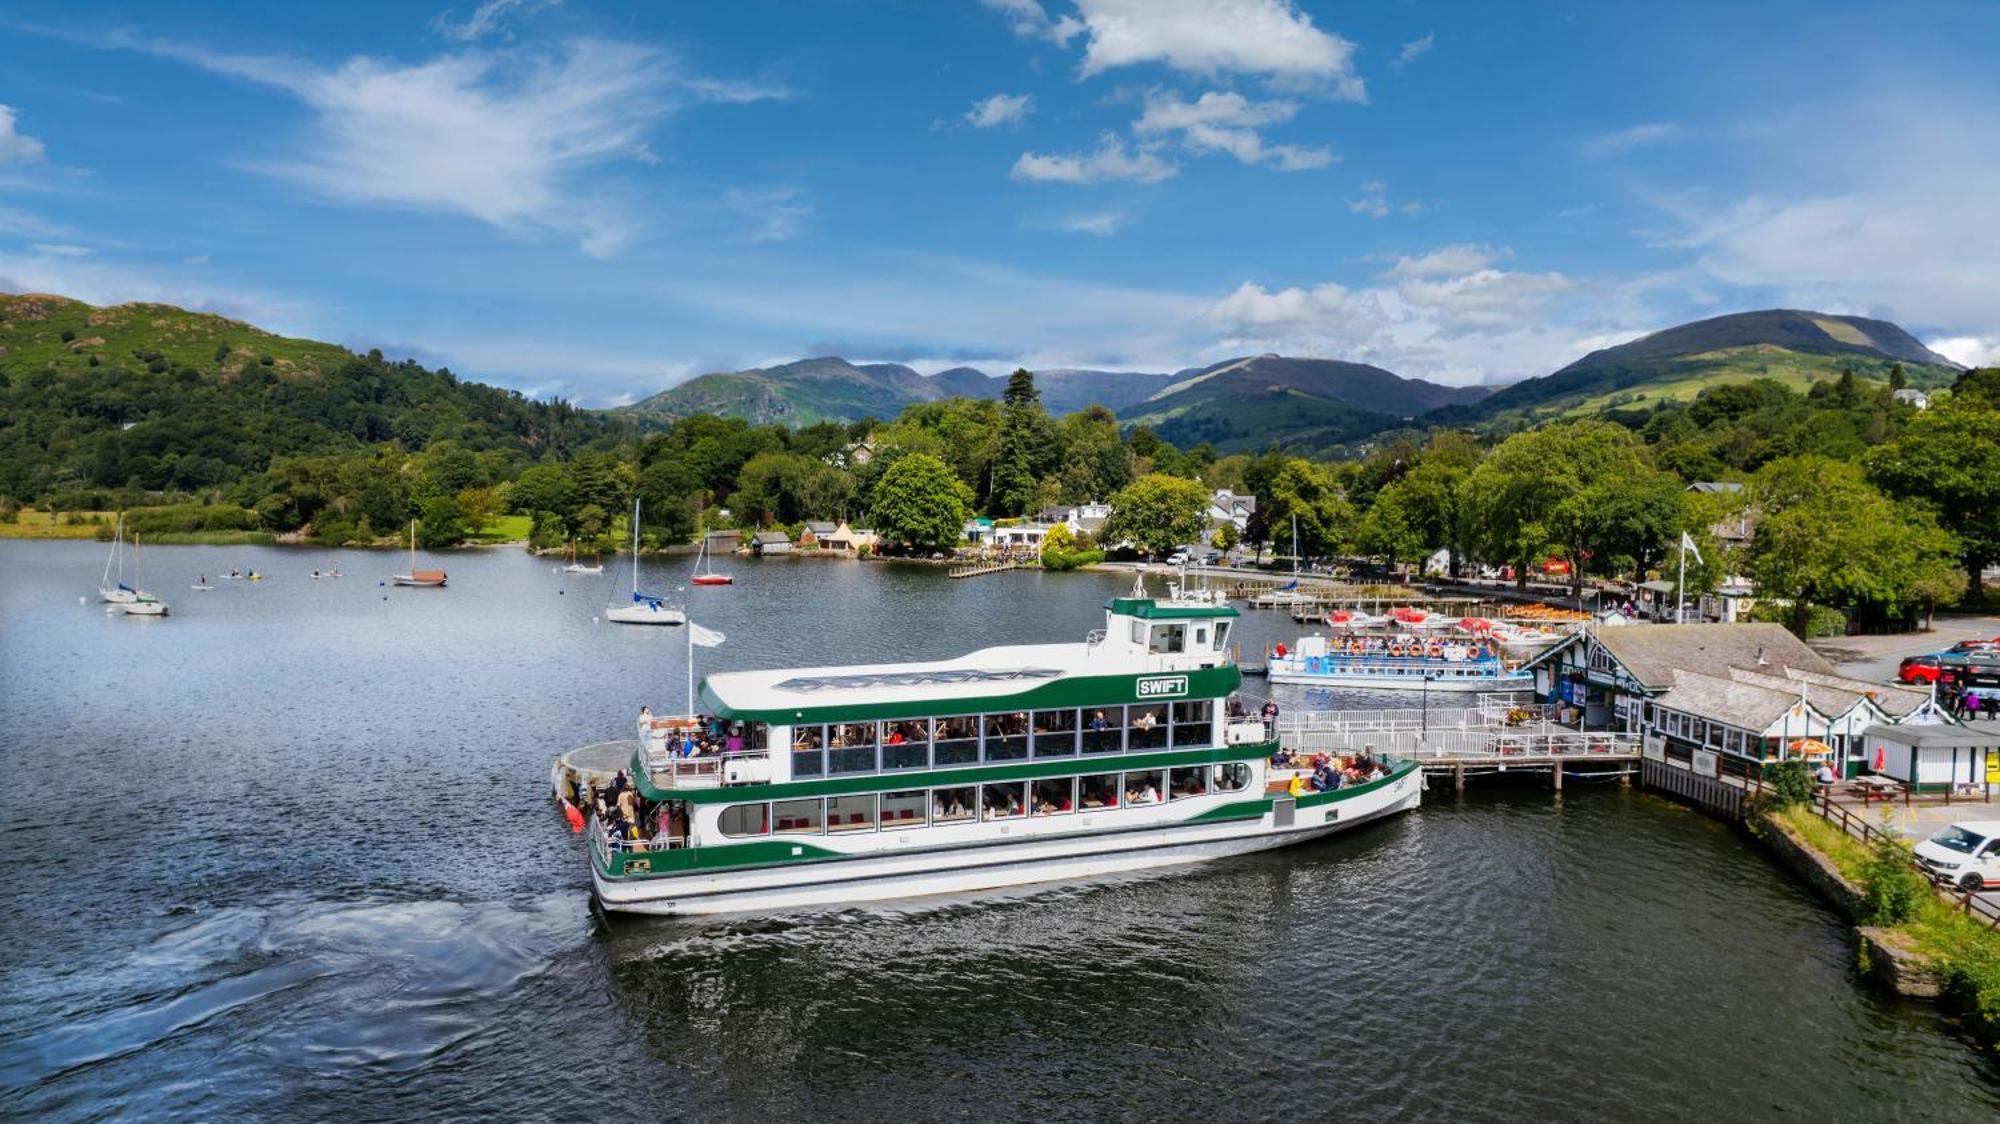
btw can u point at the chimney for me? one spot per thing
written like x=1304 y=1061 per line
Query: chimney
x=1761 y=661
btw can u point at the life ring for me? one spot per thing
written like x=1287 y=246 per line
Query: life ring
x=1314 y=665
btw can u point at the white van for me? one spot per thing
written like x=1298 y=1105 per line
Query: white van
x=1963 y=855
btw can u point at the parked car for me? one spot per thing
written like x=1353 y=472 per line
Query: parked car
x=1177 y=558
x=1919 y=669
x=1211 y=558
x=1965 y=855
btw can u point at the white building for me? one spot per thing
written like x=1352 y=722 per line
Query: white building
x=1226 y=506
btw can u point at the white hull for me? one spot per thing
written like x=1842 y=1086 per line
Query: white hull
x=583 y=569
x=144 y=608
x=1057 y=858
x=645 y=614
x=405 y=579
x=117 y=596
x=1400 y=682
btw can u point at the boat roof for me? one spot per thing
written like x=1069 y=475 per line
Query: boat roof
x=984 y=674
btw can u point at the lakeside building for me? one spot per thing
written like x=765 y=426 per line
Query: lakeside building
x=770 y=542
x=815 y=533
x=1759 y=716
x=1081 y=519
x=850 y=539
x=1936 y=757
x=1226 y=506
x=1607 y=673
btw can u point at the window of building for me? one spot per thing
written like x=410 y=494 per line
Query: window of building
x=1054 y=796
x=851 y=813
x=1099 y=791
x=903 y=809
x=954 y=805
x=1007 y=736
x=1146 y=787
x=1003 y=801
x=796 y=817
x=906 y=744
x=1104 y=730
x=1185 y=783
x=808 y=756
x=1148 y=726
x=1167 y=639
x=739 y=820
x=1055 y=733
x=957 y=742
x=1233 y=777
x=1194 y=722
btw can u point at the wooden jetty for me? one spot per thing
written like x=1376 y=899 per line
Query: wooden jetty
x=1500 y=735
x=975 y=569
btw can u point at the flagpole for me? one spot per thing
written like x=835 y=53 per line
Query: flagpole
x=690 y=694
x=1680 y=589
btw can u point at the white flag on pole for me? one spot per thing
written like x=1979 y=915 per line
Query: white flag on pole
x=1687 y=544
x=704 y=637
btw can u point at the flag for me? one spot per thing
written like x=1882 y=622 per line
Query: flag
x=704 y=637
x=1687 y=544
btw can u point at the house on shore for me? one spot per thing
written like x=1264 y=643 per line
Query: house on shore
x=770 y=542
x=1936 y=757
x=849 y=539
x=815 y=534
x=1608 y=672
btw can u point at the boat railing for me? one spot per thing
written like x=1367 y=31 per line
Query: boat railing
x=1094 y=638
x=668 y=769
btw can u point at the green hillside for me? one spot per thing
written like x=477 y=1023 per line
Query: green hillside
x=1306 y=405
x=151 y=398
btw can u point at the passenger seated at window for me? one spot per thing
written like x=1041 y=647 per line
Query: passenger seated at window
x=1098 y=721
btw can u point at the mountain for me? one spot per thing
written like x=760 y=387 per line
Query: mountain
x=1795 y=347
x=157 y=397
x=1302 y=404
x=832 y=389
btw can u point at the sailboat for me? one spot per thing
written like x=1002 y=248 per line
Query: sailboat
x=645 y=608
x=116 y=592
x=708 y=576
x=143 y=604
x=576 y=567
x=416 y=576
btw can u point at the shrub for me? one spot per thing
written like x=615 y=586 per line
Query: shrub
x=1821 y=620
x=1890 y=882
x=190 y=517
x=1070 y=559
x=265 y=360
x=68 y=336
x=1791 y=783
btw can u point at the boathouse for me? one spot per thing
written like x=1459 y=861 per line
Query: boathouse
x=1608 y=672
x=1937 y=757
x=771 y=542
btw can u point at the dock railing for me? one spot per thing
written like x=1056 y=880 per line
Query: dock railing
x=670 y=770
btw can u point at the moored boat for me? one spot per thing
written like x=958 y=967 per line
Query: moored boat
x=704 y=568
x=1396 y=663
x=644 y=608
x=112 y=588
x=1003 y=767
x=430 y=578
x=141 y=604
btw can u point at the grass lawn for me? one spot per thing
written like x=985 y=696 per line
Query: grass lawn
x=506 y=528
x=29 y=524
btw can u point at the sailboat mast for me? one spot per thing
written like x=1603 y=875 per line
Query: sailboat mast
x=117 y=533
x=635 y=546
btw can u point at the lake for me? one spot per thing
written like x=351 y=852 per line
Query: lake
x=289 y=853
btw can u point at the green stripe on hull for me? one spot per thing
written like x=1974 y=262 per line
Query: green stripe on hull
x=1251 y=809
x=1062 y=694
x=1085 y=764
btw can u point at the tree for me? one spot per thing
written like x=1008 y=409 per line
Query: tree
x=1157 y=513
x=1582 y=488
x=1310 y=492
x=1825 y=537
x=1225 y=538
x=919 y=502
x=1949 y=457
x=1389 y=530
x=1061 y=551
x=1025 y=442
x=480 y=506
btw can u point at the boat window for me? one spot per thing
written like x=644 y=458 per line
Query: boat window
x=807 y=758
x=759 y=736
x=850 y=748
x=851 y=813
x=1222 y=635
x=906 y=744
x=1144 y=787
x=1003 y=801
x=739 y=820
x=1104 y=730
x=903 y=809
x=1055 y=733
x=796 y=817
x=1007 y=736
x=1233 y=777
x=1099 y=791
x=1138 y=632
x=1055 y=796
x=1189 y=782
x=954 y=805
x=1194 y=723
x=1168 y=638
x=957 y=741
x=1148 y=726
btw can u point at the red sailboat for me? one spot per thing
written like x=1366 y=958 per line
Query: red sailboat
x=707 y=576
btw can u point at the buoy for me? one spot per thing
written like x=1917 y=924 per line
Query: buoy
x=575 y=817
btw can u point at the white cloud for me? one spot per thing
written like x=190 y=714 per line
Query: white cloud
x=1270 y=38
x=1460 y=258
x=1029 y=20
x=1414 y=50
x=1000 y=109
x=1636 y=136
x=1227 y=122
x=1103 y=224
x=17 y=147
x=1111 y=161
x=61 y=249
x=1968 y=351
x=1374 y=201
x=487 y=19
x=779 y=213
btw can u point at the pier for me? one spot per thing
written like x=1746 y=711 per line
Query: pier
x=976 y=569
x=1499 y=735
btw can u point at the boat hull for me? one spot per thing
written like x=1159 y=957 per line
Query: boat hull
x=418 y=583
x=712 y=579
x=1069 y=857
x=117 y=596
x=643 y=614
x=1399 y=680
x=144 y=608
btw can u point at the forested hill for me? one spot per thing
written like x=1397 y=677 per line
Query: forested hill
x=152 y=397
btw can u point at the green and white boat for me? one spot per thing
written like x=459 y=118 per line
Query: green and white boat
x=1004 y=767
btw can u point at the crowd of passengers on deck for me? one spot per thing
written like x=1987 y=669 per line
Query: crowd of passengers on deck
x=1322 y=772
x=1410 y=647
x=701 y=736
x=627 y=819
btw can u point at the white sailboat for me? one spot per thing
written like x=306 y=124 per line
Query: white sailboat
x=143 y=604
x=431 y=578
x=577 y=567
x=644 y=607
x=115 y=590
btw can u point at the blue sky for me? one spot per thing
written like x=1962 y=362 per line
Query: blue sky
x=598 y=200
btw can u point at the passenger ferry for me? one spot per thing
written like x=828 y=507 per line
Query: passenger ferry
x=1007 y=766
x=1397 y=663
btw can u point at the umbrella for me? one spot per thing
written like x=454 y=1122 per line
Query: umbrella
x=1881 y=759
x=1811 y=747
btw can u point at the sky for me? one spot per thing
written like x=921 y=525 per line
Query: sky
x=598 y=200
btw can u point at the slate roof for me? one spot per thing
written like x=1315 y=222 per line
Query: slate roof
x=1972 y=734
x=1898 y=701
x=1652 y=652
x=1746 y=706
x=1832 y=701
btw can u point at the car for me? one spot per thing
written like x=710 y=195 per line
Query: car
x=1919 y=669
x=1211 y=558
x=1177 y=558
x=1965 y=856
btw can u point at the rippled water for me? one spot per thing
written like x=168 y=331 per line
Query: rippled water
x=288 y=854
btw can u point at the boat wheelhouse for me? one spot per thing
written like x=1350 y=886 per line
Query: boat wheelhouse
x=1380 y=663
x=1007 y=766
